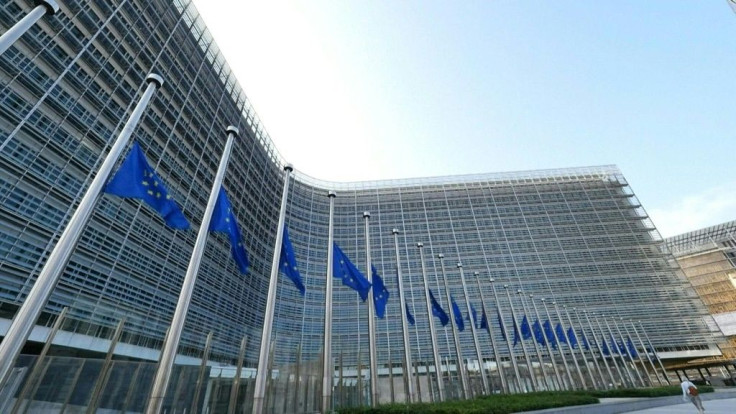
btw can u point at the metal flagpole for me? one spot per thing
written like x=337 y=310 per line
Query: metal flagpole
x=236 y=380
x=560 y=383
x=639 y=356
x=202 y=368
x=14 y=33
x=259 y=391
x=504 y=385
x=328 y=367
x=481 y=368
x=171 y=343
x=592 y=352
x=435 y=353
x=654 y=352
x=104 y=374
x=506 y=336
x=534 y=339
x=371 y=314
x=37 y=366
x=408 y=380
x=567 y=341
x=644 y=347
x=628 y=352
x=517 y=328
x=458 y=350
x=559 y=346
x=617 y=352
x=603 y=357
x=49 y=276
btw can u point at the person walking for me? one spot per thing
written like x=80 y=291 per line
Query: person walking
x=690 y=391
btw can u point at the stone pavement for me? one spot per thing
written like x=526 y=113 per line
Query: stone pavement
x=722 y=401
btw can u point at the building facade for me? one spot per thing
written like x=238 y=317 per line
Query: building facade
x=708 y=258
x=577 y=236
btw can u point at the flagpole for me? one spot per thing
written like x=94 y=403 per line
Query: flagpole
x=559 y=346
x=567 y=341
x=529 y=366
x=534 y=339
x=512 y=357
x=618 y=352
x=654 y=369
x=371 y=314
x=259 y=391
x=50 y=274
x=603 y=340
x=328 y=367
x=582 y=352
x=171 y=343
x=504 y=385
x=639 y=357
x=628 y=352
x=458 y=350
x=560 y=383
x=43 y=7
x=600 y=351
x=481 y=367
x=654 y=352
x=432 y=334
x=596 y=380
x=408 y=380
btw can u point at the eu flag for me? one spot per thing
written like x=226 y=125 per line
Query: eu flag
x=632 y=348
x=351 y=277
x=585 y=342
x=409 y=316
x=560 y=333
x=288 y=263
x=526 y=332
x=458 y=315
x=538 y=334
x=572 y=340
x=136 y=179
x=604 y=348
x=380 y=293
x=224 y=221
x=483 y=321
x=437 y=310
x=550 y=332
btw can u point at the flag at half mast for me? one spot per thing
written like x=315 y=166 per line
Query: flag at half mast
x=287 y=263
x=224 y=221
x=136 y=179
x=380 y=293
x=351 y=277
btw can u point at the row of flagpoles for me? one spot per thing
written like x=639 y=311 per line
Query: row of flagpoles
x=136 y=179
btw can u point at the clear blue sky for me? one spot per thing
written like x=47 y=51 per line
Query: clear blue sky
x=431 y=88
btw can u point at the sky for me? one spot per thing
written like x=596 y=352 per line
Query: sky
x=365 y=90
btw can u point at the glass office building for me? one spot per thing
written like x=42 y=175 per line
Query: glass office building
x=575 y=236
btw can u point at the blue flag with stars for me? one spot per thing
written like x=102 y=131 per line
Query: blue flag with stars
x=458 y=315
x=538 y=334
x=224 y=221
x=136 y=179
x=483 y=320
x=632 y=348
x=473 y=317
x=560 y=332
x=287 y=263
x=550 y=333
x=437 y=310
x=351 y=277
x=572 y=340
x=380 y=293
x=409 y=316
x=526 y=332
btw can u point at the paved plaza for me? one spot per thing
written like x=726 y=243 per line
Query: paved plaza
x=726 y=406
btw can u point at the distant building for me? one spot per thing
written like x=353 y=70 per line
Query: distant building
x=708 y=258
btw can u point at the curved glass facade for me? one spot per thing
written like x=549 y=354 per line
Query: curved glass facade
x=576 y=236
